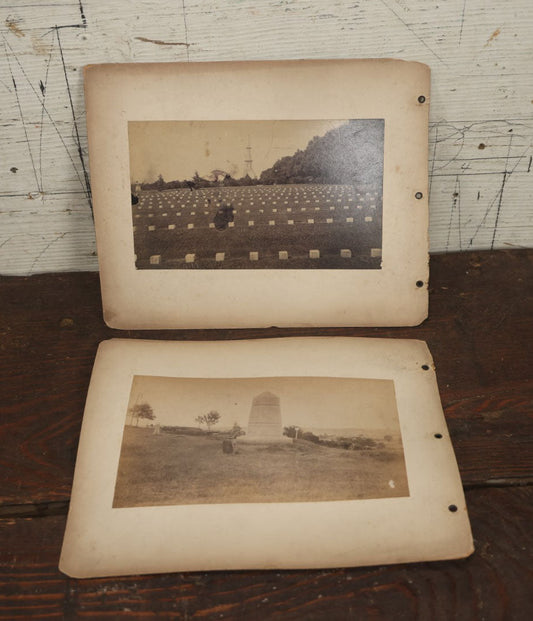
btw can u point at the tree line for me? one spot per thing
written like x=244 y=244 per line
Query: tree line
x=349 y=154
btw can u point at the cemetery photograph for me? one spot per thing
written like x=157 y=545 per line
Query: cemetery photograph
x=258 y=440
x=284 y=194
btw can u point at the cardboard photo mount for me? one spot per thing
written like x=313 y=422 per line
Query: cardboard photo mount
x=429 y=523
x=393 y=90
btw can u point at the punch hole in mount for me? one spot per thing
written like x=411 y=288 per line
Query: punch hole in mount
x=438 y=436
x=419 y=283
x=421 y=99
x=452 y=508
x=425 y=367
x=419 y=195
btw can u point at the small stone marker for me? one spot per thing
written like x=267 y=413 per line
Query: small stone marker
x=272 y=223
x=349 y=219
x=283 y=255
x=254 y=256
x=220 y=256
x=151 y=227
x=227 y=446
x=211 y=225
x=368 y=218
x=310 y=221
x=250 y=222
x=231 y=225
x=375 y=252
x=290 y=221
x=155 y=259
x=314 y=254
x=171 y=227
x=190 y=226
x=346 y=253
x=190 y=258
x=329 y=220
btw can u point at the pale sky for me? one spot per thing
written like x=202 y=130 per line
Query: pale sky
x=307 y=402
x=176 y=149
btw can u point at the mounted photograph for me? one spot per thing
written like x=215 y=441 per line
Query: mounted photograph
x=258 y=194
x=242 y=440
x=274 y=453
x=280 y=194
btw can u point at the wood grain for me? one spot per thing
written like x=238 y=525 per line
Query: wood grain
x=481 y=124
x=492 y=584
x=479 y=332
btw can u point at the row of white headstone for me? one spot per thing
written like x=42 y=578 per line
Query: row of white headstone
x=283 y=255
x=274 y=210
x=231 y=225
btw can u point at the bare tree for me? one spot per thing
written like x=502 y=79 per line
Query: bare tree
x=141 y=410
x=209 y=419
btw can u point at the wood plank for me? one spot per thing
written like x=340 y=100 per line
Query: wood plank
x=494 y=583
x=479 y=332
x=479 y=53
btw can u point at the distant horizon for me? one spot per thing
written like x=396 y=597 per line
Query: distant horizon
x=318 y=402
x=177 y=149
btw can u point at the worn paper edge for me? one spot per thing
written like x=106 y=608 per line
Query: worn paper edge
x=145 y=299
x=101 y=541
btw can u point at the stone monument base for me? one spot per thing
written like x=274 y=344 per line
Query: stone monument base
x=263 y=440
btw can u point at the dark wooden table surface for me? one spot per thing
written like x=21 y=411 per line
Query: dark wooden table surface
x=479 y=331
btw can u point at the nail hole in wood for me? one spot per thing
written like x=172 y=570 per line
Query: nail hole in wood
x=452 y=508
x=421 y=99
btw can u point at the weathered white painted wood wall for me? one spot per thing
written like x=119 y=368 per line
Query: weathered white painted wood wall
x=481 y=137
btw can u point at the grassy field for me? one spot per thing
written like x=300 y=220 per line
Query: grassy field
x=167 y=469
x=291 y=219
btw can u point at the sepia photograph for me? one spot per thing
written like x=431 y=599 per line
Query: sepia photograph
x=280 y=194
x=259 y=440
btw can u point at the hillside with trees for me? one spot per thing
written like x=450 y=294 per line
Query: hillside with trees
x=349 y=154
